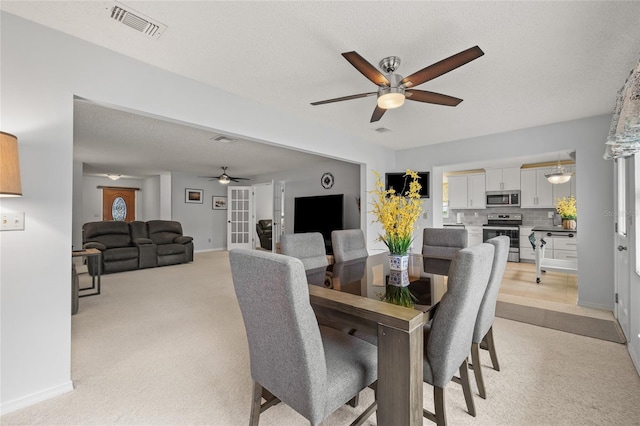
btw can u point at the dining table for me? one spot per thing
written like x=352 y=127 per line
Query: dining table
x=348 y=295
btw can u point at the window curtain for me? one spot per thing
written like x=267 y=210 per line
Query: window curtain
x=624 y=134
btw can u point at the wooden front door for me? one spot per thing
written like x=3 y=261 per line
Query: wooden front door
x=119 y=204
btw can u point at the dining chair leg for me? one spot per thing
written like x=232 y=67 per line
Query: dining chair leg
x=492 y=349
x=256 y=400
x=353 y=402
x=438 y=399
x=477 y=369
x=466 y=387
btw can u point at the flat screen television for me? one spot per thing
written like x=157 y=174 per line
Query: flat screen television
x=397 y=182
x=322 y=213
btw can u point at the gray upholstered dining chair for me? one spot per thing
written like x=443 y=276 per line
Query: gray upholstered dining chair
x=308 y=247
x=439 y=245
x=348 y=244
x=313 y=369
x=483 y=332
x=448 y=339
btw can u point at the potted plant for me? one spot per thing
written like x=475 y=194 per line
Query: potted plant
x=566 y=208
x=398 y=213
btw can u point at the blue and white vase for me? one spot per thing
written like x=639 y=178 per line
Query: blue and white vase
x=399 y=262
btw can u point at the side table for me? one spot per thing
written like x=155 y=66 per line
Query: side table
x=93 y=255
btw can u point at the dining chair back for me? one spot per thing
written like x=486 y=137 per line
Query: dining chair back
x=313 y=369
x=348 y=244
x=483 y=332
x=449 y=338
x=439 y=246
x=308 y=247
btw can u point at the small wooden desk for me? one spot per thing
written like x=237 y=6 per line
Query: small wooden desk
x=95 y=256
x=400 y=338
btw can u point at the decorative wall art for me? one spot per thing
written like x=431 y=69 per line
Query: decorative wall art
x=194 y=196
x=218 y=202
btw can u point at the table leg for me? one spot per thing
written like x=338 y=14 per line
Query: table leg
x=400 y=355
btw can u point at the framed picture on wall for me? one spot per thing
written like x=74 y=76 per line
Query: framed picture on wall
x=218 y=202
x=193 y=196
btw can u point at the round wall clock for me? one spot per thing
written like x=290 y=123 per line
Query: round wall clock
x=326 y=180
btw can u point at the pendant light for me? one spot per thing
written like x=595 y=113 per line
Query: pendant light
x=558 y=174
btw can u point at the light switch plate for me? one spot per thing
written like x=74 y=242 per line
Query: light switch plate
x=12 y=221
x=550 y=215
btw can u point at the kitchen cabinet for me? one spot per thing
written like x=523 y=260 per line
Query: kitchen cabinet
x=536 y=191
x=467 y=191
x=503 y=179
x=555 y=248
x=474 y=235
x=566 y=189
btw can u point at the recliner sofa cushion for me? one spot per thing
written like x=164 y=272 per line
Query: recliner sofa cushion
x=110 y=233
x=122 y=253
x=167 y=249
x=164 y=231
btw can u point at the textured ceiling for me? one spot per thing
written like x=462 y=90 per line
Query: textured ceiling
x=544 y=62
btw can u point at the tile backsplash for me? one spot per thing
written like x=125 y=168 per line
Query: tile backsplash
x=530 y=217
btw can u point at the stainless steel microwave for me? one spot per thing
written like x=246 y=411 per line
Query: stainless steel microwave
x=503 y=198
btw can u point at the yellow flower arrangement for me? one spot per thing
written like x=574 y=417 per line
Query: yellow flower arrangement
x=398 y=212
x=566 y=207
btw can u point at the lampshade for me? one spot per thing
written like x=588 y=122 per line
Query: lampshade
x=391 y=100
x=9 y=166
x=558 y=175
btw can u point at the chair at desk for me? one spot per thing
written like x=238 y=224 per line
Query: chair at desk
x=348 y=244
x=439 y=246
x=483 y=332
x=313 y=369
x=308 y=247
x=448 y=341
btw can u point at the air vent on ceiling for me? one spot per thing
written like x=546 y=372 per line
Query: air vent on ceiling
x=223 y=138
x=382 y=130
x=137 y=21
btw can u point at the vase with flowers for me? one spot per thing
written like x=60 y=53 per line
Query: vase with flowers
x=566 y=208
x=397 y=212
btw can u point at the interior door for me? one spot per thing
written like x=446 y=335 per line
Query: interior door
x=240 y=228
x=622 y=266
x=119 y=204
x=634 y=283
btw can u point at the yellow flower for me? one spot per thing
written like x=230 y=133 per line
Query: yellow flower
x=566 y=207
x=397 y=213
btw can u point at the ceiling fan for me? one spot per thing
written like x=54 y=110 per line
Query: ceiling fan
x=393 y=89
x=224 y=178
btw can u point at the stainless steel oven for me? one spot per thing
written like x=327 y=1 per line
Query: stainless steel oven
x=505 y=224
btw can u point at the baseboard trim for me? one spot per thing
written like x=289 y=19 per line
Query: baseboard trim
x=34 y=398
x=208 y=250
x=635 y=358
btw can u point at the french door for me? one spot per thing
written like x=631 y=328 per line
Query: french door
x=240 y=227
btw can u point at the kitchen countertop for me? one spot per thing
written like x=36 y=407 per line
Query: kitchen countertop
x=553 y=229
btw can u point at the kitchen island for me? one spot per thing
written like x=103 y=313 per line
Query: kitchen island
x=541 y=233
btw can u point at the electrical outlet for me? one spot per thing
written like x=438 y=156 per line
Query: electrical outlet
x=12 y=221
x=550 y=215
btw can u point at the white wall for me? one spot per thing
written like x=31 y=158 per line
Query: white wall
x=150 y=199
x=593 y=187
x=41 y=71
x=305 y=182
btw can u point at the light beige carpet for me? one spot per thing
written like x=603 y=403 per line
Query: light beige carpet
x=167 y=346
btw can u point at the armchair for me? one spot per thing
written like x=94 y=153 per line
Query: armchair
x=264 y=229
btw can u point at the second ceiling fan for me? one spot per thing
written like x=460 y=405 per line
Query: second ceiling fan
x=393 y=89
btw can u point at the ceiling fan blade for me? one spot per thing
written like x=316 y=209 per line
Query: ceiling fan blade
x=366 y=68
x=377 y=114
x=345 y=98
x=431 y=97
x=442 y=67
x=237 y=179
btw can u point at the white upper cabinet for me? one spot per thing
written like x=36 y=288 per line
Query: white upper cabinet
x=536 y=191
x=503 y=179
x=467 y=191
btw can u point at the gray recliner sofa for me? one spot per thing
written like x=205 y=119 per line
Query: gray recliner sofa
x=137 y=245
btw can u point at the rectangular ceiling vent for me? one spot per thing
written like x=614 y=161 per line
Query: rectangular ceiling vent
x=137 y=21
x=223 y=139
x=382 y=130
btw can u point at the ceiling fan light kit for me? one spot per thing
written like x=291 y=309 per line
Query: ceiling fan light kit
x=224 y=178
x=393 y=88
